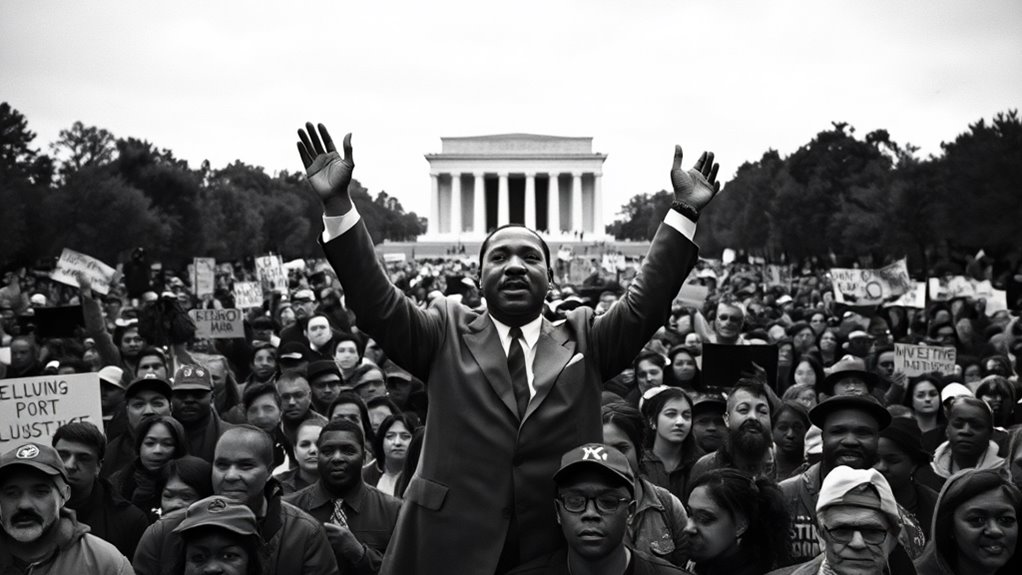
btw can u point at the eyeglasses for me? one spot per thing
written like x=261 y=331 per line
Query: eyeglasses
x=606 y=503
x=871 y=535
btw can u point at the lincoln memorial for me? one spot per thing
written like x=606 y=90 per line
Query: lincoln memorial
x=549 y=183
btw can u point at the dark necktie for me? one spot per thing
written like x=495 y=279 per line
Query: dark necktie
x=519 y=377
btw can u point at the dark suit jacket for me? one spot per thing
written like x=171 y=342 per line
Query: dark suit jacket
x=479 y=463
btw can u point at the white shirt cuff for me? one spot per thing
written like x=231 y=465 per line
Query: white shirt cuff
x=679 y=222
x=334 y=226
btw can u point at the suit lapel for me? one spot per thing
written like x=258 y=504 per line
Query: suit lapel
x=483 y=342
x=553 y=350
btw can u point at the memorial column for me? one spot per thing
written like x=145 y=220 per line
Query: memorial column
x=530 y=201
x=503 y=202
x=479 y=205
x=576 y=201
x=456 y=203
x=598 y=227
x=553 y=213
x=434 y=204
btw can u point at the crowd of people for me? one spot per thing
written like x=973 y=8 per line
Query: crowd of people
x=466 y=416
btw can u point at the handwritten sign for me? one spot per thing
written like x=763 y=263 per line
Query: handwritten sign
x=270 y=272
x=205 y=276
x=218 y=323
x=943 y=289
x=72 y=263
x=774 y=275
x=870 y=286
x=915 y=360
x=915 y=297
x=247 y=294
x=32 y=408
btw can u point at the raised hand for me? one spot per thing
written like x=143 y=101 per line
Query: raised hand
x=327 y=172
x=696 y=187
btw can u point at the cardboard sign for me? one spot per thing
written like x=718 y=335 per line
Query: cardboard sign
x=204 y=280
x=32 y=408
x=397 y=258
x=943 y=289
x=613 y=262
x=693 y=295
x=862 y=287
x=915 y=297
x=218 y=323
x=723 y=365
x=247 y=294
x=774 y=275
x=270 y=271
x=72 y=263
x=998 y=301
x=913 y=360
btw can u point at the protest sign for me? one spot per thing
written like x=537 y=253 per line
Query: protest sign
x=395 y=258
x=218 y=323
x=270 y=272
x=5 y=355
x=998 y=301
x=946 y=288
x=613 y=262
x=295 y=264
x=913 y=360
x=862 y=287
x=247 y=294
x=724 y=365
x=693 y=295
x=914 y=297
x=728 y=256
x=72 y=263
x=32 y=408
x=774 y=275
x=204 y=280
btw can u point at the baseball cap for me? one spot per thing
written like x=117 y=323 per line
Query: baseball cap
x=865 y=403
x=113 y=375
x=709 y=402
x=598 y=456
x=192 y=377
x=953 y=389
x=859 y=488
x=323 y=367
x=35 y=455
x=303 y=294
x=849 y=366
x=291 y=350
x=148 y=381
x=218 y=511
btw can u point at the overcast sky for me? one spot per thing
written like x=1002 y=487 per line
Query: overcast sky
x=234 y=80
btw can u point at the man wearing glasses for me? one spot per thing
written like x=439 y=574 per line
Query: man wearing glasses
x=858 y=521
x=595 y=498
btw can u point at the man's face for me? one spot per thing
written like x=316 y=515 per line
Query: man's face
x=789 y=433
x=325 y=389
x=110 y=397
x=592 y=533
x=851 y=385
x=21 y=354
x=216 y=551
x=30 y=503
x=239 y=469
x=707 y=428
x=318 y=331
x=515 y=276
x=728 y=322
x=885 y=364
x=295 y=398
x=748 y=422
x=371 y=385
x=82 y=464
x=144 y=403
x=845 y=530
x=649 y=374
x=191 y=406
x=131 y=343
x=850 y=438
x=264 y=363
x=303 y=308
x=151 y=364
x=967 y=430
x=340 y=460
x=399 y=390
x=264 y=413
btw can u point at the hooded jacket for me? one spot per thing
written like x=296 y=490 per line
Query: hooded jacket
x=942 y=461
x=78 y=552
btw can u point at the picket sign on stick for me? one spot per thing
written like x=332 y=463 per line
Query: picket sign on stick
x=218 y=323
x=270 y=271
x=205 y=276
x=247 y=294
x=32 y=408
x=913 y=360
x=72 y=263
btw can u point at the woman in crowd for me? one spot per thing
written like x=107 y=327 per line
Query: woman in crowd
x=999 y=394
x=922 y=396
x=972 y=370
x=829 y=345
x=670 y=448
x=160 y=438
x=790 y=423
x=807 y=371
x=801 y=393
x=900 y=458
x=683 y=369
x=657 y=526
x=803 y=337
x=305 y=467
x=350 y=405
x=391 y=442
x=735 y=524
x=969 y=445
x=186 y=480
x=975 y=527
x=380 y=408
x=348 y=354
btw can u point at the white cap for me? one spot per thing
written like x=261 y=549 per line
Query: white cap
x=954 y=389
x=844 y=486
x=112 y=375
x=37 y=299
